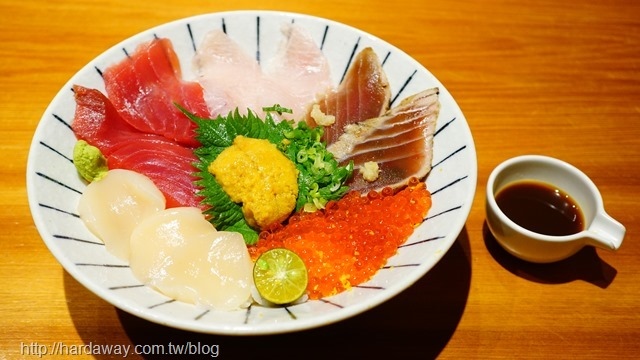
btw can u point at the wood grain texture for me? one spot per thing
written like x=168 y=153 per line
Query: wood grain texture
x=549 y=77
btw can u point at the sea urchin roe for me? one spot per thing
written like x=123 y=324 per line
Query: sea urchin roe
x=351 y=239
x=255 y=173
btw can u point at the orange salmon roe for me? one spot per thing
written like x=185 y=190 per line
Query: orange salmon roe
x=346 y=243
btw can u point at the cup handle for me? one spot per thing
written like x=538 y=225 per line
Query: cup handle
x=606 y=232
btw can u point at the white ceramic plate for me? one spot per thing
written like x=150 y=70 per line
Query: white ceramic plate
x=54 y=186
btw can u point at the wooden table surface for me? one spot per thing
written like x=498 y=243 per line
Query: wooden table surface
x=560 y=78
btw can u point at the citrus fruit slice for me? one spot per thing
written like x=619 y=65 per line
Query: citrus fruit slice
x=280 y=276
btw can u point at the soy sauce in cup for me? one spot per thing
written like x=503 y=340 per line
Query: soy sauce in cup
x=582 y=218
x=541 y=208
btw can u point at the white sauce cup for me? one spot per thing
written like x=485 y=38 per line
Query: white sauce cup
x=600 y=229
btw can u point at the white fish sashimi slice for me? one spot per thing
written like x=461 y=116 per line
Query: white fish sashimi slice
x=231 y=78
x=113 y=206
x=178 y=252
x=227 y=74
x=301 y=65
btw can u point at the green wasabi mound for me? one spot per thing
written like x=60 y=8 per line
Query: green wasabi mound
x=89 y=161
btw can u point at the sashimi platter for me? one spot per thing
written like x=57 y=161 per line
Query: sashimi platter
x=251 y=172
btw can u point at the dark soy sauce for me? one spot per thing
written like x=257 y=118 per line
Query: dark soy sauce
x=541 y=208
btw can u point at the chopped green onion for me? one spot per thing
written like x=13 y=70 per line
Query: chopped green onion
x=320 y=177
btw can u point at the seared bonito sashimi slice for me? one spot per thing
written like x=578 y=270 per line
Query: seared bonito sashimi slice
x=182 y=255
x=400 y=142
x=363 y=94
x=231 y=77
x=145 y=86
x=168 y=164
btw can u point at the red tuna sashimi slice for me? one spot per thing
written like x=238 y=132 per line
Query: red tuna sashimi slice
x=167 y=164
x=363 y=94
x=145 y=87
x=98 y=122
x=400 y=142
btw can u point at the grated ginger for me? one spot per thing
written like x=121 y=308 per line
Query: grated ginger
x=321 y=118
x=370 y=171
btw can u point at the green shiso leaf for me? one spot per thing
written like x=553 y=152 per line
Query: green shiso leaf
x=320 y=178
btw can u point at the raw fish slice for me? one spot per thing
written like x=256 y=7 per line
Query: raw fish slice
x=232 y=79
x=302 y=67
x=145 y=87
x=400 y=142
x=113 y=206
x=363 y=94
x=168 y=164
x=182 y=255
x=98 y=122
x=229 y=76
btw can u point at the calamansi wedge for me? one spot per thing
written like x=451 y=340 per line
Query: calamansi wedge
x=280 y=276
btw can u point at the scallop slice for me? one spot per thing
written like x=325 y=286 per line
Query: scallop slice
x=113 y=206
x=178 y=252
